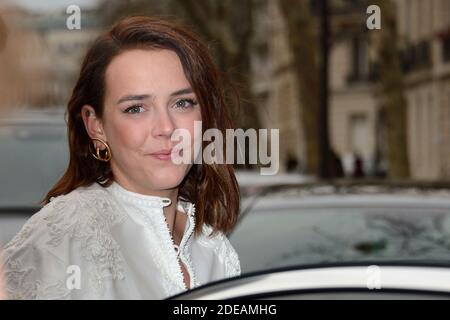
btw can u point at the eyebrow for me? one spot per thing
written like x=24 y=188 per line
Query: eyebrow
x=182 y=91
x=134 y=97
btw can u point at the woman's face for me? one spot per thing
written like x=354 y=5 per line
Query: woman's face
x=147 y=97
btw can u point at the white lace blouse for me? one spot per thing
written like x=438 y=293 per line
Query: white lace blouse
x=110 y=243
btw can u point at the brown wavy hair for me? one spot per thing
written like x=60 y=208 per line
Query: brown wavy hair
x=212 y=188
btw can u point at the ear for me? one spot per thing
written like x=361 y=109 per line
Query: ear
x=93 y=125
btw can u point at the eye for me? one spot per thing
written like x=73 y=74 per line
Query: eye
x=134 y=109
x=185 y=104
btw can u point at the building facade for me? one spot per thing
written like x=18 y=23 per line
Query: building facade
x=356 y=118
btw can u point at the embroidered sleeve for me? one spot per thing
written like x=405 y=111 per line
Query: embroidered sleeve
x=69 y=236
x=26 y=278
x=30 y=271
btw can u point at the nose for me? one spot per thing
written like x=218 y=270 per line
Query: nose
x=163 y=124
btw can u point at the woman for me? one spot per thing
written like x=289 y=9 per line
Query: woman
x=126 y=222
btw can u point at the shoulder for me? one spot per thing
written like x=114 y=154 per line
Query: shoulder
x=222 y=248
x=68 y=230
x=26 y=257
x=39 y=228
x=82 y=206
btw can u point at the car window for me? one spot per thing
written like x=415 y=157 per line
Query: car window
x=279 y=238
x=32 y=158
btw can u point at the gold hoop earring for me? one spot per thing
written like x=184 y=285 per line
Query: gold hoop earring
x=107 y=154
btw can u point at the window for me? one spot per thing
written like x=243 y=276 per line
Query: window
x=359 y=71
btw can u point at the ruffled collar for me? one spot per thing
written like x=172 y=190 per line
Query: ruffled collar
x=138 y=198
x=146 y=201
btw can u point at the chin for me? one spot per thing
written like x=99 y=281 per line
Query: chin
x=168 y=179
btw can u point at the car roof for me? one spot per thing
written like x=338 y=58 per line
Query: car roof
x=350 y=201
x=391 y=276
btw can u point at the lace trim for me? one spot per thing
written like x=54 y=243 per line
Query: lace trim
x=184 y=253
x=167 y=261
x=153 y=226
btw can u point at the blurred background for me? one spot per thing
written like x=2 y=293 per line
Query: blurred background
x=352 y=102
x=349 y=101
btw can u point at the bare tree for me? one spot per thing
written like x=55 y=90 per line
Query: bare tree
x=303 y=41
x=392 y=90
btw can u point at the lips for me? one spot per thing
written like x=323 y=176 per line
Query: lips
x=164 y=154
